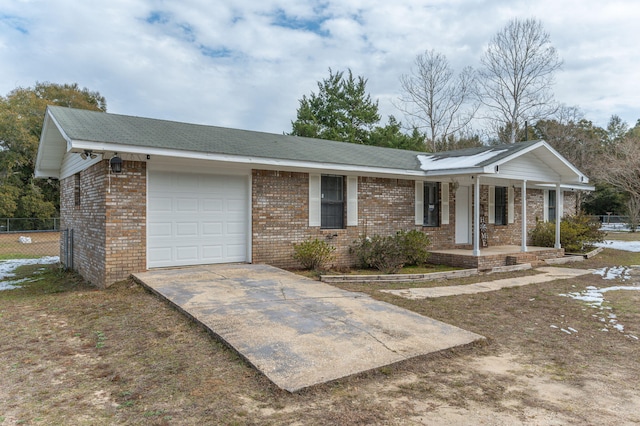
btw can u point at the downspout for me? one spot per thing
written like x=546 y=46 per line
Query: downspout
x=558 y=210
x=523 y=247
x=476 y=217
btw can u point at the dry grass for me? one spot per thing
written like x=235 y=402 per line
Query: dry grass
x=42 y=244
x=73 y=355
x=623 y=236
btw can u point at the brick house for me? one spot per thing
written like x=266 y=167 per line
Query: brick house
x=141 y=193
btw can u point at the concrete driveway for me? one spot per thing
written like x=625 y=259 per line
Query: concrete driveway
x=297 y=331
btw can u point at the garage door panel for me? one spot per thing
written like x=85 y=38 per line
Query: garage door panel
x=161 y=204
x=187 y=204
x=161 y=229
x=212 y=229
x=197 y=219
x=184 y=229
x=185 y=182
x=187 y=253
x=212 y=204
x=162 y=254
x=235 y=228
x=235 y=250
x=212 y=252
x=235 y=205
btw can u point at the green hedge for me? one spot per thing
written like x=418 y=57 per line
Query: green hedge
x=390 y=253
x=578 y=234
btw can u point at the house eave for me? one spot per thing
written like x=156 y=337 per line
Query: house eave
x=141 y=153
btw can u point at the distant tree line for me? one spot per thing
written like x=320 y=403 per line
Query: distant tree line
x=21 y=119
x=508 y=98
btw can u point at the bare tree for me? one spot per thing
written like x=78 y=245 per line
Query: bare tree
x=576 y=138
x=621 y=168
x=437 y=100
x=517 y=75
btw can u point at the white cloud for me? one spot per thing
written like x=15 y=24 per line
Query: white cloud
x=246 y=63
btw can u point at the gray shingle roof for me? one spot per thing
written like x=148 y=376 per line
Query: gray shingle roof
x=100 y=127
x=502 y=151
x=92 y=126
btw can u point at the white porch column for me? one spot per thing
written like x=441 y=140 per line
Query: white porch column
x=476 y=217
x=558 y=210
x=524 y=216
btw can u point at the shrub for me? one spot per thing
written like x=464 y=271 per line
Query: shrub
x=313 y=254
x=577 y=233
x=415 y=245
x=390 y=253
x=386 y=254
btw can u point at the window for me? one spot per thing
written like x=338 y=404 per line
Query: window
x=431 y=204
x=332 y=202
x=76 y=189
x=500 y=205
x=552 y=206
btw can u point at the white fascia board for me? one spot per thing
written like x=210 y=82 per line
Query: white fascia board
x=577 y=187
x=102 y=147
x=43 y=173
x=456 y=172
x=39 y=160
x=518 y=154
x=564 y=160
x=544 y=144
x=61 y=130
x=43 y=146
x=574 y=181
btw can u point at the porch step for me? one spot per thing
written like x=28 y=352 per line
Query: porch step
x=521 y=258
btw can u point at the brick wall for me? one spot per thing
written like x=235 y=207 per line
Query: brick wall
x=281 y=216
x=87 y=221
x=109 y=224
x=126 y=230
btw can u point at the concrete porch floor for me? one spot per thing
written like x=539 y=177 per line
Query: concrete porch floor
x=297 y=331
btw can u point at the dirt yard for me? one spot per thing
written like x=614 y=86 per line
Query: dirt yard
x=74 y=355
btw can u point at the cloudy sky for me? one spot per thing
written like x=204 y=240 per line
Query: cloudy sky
x=246 y=63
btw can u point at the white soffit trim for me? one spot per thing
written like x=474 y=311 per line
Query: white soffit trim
x=79 y=146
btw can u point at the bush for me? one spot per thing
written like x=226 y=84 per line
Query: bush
x=390 y=253
x=577 y=233
x=415 y=245
x=313 y=254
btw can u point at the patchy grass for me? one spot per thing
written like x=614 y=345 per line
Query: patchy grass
x=425 y=269
x=74 y=355
x=623 y=236
x=42 y=244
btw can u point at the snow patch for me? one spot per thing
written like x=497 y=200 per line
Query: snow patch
x=614 y=272
x=594 y=296
x=633 y=246
x=436 y=162
x=8 y=266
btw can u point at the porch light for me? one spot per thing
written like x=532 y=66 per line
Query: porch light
x=116 y=164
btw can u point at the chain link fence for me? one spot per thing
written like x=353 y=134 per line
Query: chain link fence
x=21 y=224
x=22 y=238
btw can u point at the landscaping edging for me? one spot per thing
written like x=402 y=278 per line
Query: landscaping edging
x=398 y=277
x=581 y=256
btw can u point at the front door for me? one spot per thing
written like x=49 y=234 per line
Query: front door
x=463 y=215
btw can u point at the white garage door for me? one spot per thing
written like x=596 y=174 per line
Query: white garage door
x=195 y=219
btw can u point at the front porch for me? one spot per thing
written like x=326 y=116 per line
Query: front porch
x=491 y=257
